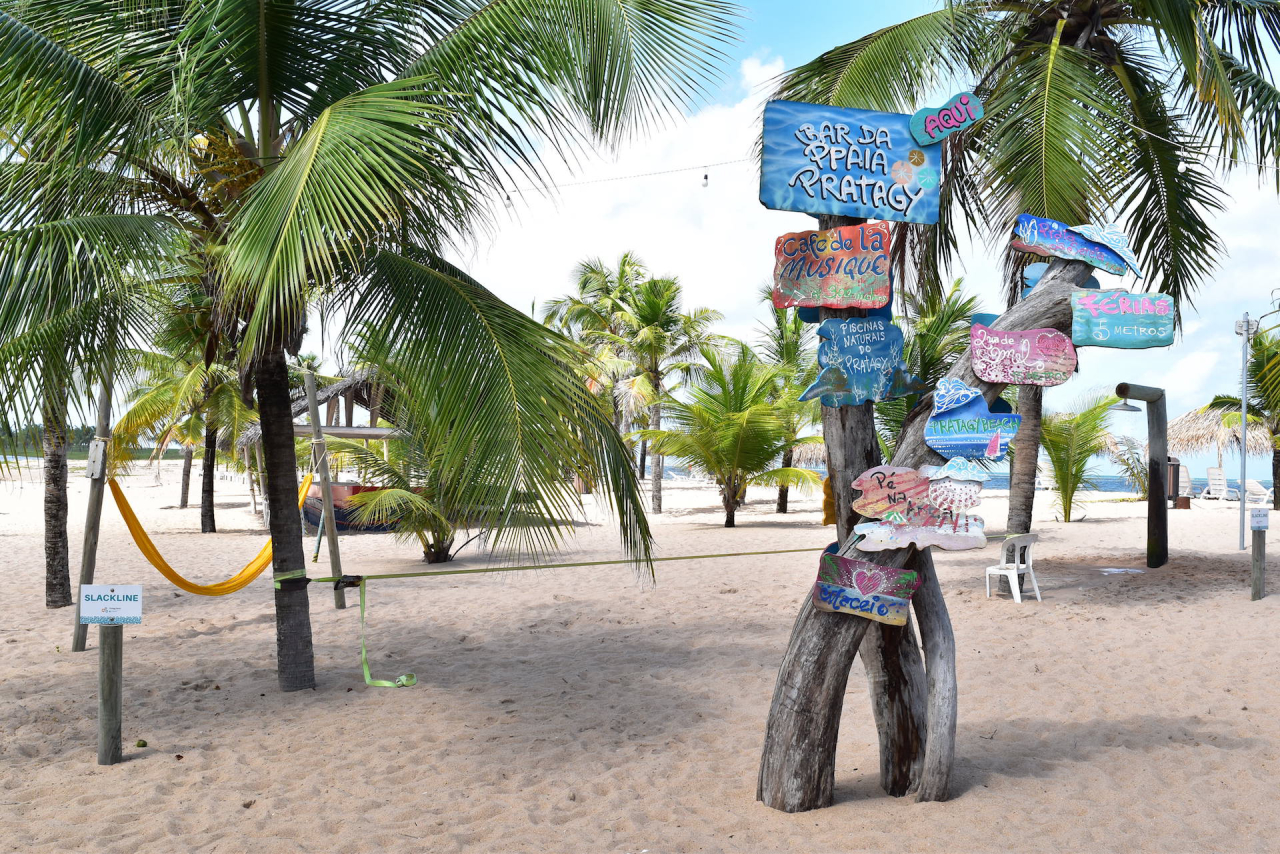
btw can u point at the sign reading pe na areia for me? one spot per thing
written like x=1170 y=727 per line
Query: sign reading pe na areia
x=110 y=604
x=845 y=267
x=859 y=163
x=1121 y=319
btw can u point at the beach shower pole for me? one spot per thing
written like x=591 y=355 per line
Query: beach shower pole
x=1157 y=469
x=1244 y=328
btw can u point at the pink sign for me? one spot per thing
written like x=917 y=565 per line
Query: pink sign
x=1034 y=357
x=845 y=267
x=890 y=492
x=879 y=593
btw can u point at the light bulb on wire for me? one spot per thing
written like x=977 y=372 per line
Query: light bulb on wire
x=706 y=179
x=506 y=203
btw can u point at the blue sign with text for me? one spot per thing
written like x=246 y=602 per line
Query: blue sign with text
x=832 y=160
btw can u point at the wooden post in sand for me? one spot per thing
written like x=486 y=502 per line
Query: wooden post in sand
x=93 y=517
x=110 y=693
x=326 y=488
x=1259 y=521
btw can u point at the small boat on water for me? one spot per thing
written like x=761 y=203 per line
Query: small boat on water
x=343 y=513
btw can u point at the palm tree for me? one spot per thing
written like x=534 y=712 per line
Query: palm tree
x=1095 y=111
x=786 y=341
x=660 y=341
x=1263 y=400
x=324 y=153
x=1071 y=441
x=57 y=559
x=730 y=430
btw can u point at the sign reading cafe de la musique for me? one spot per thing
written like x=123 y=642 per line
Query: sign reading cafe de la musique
x=858 y=163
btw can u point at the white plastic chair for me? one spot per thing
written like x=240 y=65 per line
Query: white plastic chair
x=1015 y=564
x=1218 y=487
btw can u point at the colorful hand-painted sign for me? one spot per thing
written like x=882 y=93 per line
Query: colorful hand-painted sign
x=924 y=507
x=934 y=124
x=1121 y=319
x=1031 y=277
x=831 y=160
x=1112 y=237
x=1052 y=239
x=890 y=490
x=860 y=360
x=880 y=593
x=1034 y=357
x=946 y=530
x=962 y=425
x=845 y=267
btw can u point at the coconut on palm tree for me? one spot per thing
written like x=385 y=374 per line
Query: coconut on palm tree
x=729 y=428
x=325 y=153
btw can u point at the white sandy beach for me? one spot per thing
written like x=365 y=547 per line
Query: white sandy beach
x=571 y=710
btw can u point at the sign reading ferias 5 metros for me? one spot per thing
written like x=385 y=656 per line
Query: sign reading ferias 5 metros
x=832 y=160
x=1121 y=319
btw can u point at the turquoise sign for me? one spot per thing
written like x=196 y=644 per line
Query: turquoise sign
x=860 y=360
x=832 y=160
x=1122 y=320
x=962 y=425
x=934 y=124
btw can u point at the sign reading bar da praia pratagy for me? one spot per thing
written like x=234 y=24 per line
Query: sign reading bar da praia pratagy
x=831 y=160
x=110 y=604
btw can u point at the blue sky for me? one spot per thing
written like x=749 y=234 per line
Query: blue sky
x=719 y=240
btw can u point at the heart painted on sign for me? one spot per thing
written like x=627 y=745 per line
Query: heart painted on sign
x=869 y=581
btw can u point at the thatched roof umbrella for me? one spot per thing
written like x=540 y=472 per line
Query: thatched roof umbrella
x=1200 y=430
x=809 y=455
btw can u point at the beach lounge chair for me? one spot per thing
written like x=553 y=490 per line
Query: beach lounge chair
x=1184 y=483
x=1218 y=488
x=1256 y=492
x=1015 y=560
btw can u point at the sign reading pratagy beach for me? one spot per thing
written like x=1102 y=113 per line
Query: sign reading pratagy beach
x=963 y=425
x=1052 y=239
x=110 y=604
x=845 y=267
x=831 y=160
x=1121 y=319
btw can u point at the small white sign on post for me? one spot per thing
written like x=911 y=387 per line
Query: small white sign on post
x=110 y=604
x=1259 y=519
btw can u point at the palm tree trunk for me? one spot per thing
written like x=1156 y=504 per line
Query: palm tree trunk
x=1026 y=459
x=644 y=452
x=788 y=457
x=730 y=501
x=188 y=454
x=656 y=423
x=295 y=658
x=1275 y=479
x=57 y=565
x=208 y=525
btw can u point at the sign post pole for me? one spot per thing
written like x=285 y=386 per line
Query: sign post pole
x=97 y=473
x=1244 y=328
x=110 y=692
x=1258 y=520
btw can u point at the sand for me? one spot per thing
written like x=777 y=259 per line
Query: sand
x=571 y=710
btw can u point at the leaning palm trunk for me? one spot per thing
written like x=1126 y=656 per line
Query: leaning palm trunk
x=1275 y=479
x=295 y=660
x=788 y=459
x=57 y=571
x=1026 y=458
x=208 y=525
x=188 y=453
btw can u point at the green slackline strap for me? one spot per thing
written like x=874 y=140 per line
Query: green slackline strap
x=286 y=576
x=408 y=680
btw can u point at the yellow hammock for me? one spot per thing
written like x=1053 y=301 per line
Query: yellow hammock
x=236 y=582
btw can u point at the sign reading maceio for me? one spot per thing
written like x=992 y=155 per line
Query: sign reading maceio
x=110 y=604
x=845 y=267
x=832 y=160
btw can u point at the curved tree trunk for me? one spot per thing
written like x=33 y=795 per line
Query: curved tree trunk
x=788 y=458
x=208 y=525
x=1026 y=459
x=57 y=562
x=188 y=454
x=295 y=659
x=656 y=504
x=797 y=768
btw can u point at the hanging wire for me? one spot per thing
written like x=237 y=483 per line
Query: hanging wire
x=705 y=176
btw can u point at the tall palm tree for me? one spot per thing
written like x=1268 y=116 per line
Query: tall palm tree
x=660 y=341
x=1071 y=441
x=729 y=428
x=1096 y=111
x=57 y=557
x=1262 y=401
x=788 y=342
x=288 y=154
